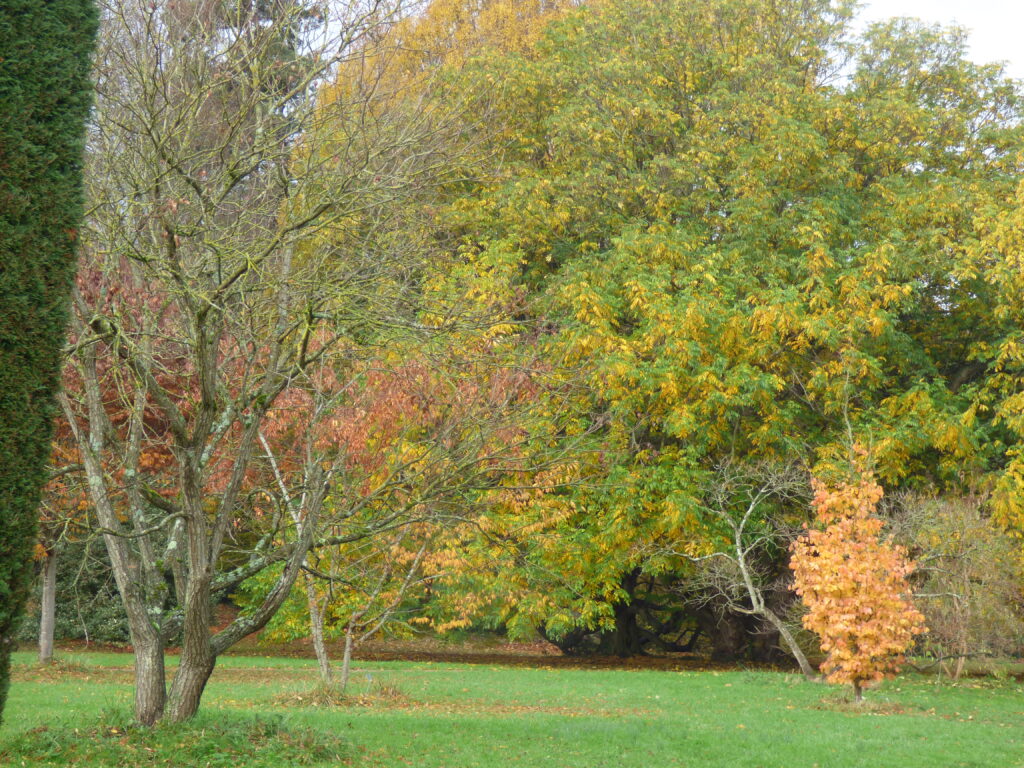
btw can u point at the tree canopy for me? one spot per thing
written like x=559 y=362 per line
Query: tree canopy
x=751 y=235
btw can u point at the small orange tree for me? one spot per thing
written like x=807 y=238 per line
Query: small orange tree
x=854 y=585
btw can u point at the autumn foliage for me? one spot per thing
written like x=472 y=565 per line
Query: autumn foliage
x=854 y=585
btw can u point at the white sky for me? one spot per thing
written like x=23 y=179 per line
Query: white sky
x=997 y=26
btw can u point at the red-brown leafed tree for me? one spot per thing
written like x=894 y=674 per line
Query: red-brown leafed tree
x=238 y=257
x=854 y=585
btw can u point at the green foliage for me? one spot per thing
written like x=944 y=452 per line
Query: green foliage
x=738 y=253
x=220 y=741
x=45 y=92
x=995 y=262
x=89 y=606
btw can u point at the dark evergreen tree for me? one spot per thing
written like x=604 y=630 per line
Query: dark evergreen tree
x=45 y=48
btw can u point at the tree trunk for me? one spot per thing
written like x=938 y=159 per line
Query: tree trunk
x=858 y=692
x=48 y=608
x=627 y=640
x=197 y=656
x=346 y=661
x=150 y=682
x=791 y=645
x=144 y=617
x=316 y=625
x=188 y=686
x=725 y=631
x=571 y=643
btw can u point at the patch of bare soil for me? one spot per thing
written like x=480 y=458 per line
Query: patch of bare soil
x=59 y=670
x=868 y=706
x=487 y=651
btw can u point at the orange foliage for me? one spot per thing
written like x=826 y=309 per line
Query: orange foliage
x=64 y=506
x=855 y=585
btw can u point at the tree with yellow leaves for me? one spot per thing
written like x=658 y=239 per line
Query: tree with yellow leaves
x=854 y=585
x=730 y=251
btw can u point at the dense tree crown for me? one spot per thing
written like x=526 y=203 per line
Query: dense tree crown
x=747 y=235
x=45 y=92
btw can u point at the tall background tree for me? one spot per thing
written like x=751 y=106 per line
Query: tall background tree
x=747 y=232
x=45 y=53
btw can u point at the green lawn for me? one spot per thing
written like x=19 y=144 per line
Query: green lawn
x=460 y=716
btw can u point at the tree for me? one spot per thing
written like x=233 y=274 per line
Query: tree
x=968 y=577
x=353 y=592
x=62 y=515
x=44 y=65
x=741 y=574
x=992 y=269
x=433 y=434
x=731 y=244
x=452 y=32
x=242 y=257
x=855 y=585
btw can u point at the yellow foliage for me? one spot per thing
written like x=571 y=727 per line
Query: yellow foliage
x=854 y=585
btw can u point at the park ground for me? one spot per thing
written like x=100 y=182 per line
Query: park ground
x=438 y=714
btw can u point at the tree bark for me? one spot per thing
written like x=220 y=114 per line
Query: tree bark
x=627 y=640
x=48 y=608
x=790 y=642
x=316 y=625
x=150 y=681
x=346 y=661
x=197 y=657
x=189 y=683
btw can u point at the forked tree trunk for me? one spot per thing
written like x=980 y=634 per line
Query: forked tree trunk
x=200 y=647
x=858 y=692
x=48 y=608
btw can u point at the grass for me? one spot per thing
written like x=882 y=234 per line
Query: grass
x=438 y=715
x=211 y=740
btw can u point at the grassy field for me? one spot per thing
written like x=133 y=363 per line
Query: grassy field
x=438 y=715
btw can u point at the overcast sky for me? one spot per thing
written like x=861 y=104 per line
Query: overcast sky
x=997 y=26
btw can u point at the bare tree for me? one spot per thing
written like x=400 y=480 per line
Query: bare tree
x=240 y=248
x=376 y=587
x=741 y=498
